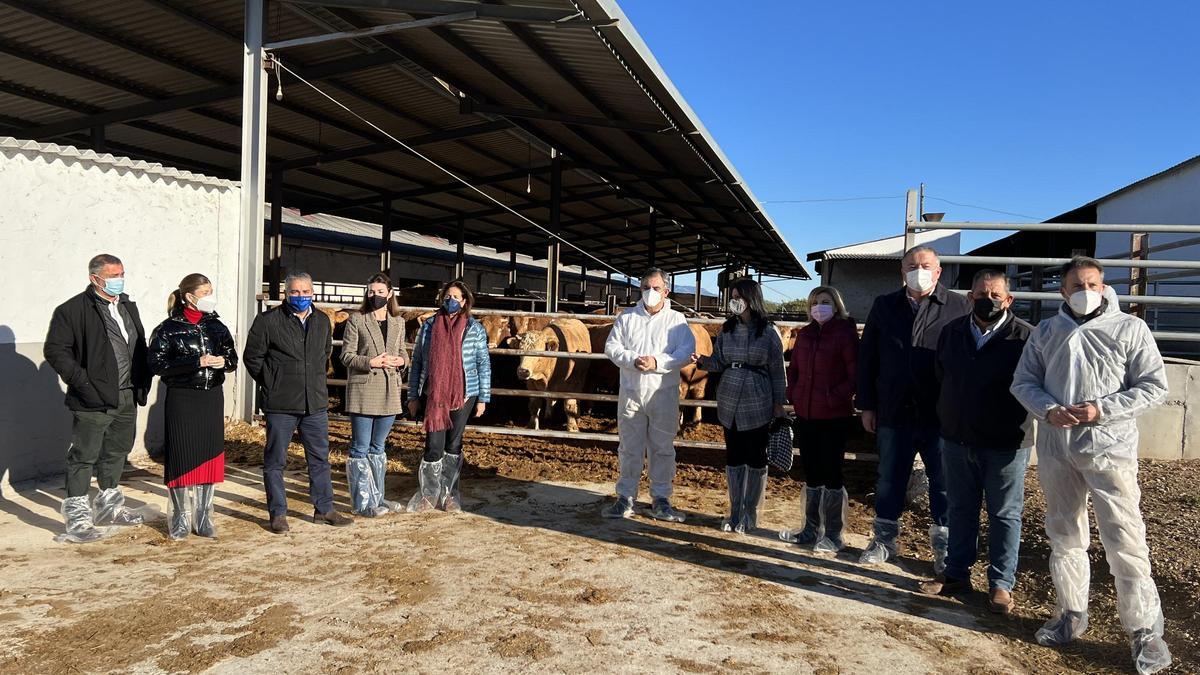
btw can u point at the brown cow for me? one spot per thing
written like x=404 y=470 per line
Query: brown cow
x=692 y=380
x=548 y=373
x=498 y=327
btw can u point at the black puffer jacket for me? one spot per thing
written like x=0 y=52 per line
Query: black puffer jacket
x=177 y=345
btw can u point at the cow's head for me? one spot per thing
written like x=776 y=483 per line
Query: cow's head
x=534 y=368
x=499 y=329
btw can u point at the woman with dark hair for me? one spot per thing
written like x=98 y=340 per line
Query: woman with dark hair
x=191 y=351
x=451 y=376
x=375 y=358
x=821 y=382
x=750 y=395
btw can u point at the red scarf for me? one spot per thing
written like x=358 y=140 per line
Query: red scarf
x=192 y=315
x=446 y=387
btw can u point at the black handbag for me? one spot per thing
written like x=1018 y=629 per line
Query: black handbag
x=779 y=444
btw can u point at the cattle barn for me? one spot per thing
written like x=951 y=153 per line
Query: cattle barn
x=160 y=130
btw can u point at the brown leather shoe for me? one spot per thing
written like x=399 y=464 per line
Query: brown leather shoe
x=1000 y=601
x=943 y=585
x=331 y=518
x=279 y=524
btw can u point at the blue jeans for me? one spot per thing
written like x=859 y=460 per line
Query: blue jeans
x=898 y=446
x=368 y=434
x=997 y=478
x=314 y=436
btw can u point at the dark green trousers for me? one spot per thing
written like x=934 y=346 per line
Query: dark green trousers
x=100 y=442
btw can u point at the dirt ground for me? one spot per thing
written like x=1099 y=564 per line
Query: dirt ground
x=530 y=578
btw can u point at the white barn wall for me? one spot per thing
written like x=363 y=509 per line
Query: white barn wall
x=62 y=207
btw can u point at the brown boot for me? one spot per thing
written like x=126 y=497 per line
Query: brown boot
x=279 y=524
x=943 y=585
x=331 y=518
x=1000 y=601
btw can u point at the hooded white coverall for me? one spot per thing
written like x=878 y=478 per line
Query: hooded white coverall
x=1113 y=362
x=648 y=402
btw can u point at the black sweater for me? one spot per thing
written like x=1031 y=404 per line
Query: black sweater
x=288 y=360
x=975 y=406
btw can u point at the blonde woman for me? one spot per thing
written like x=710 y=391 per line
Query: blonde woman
x=821 y=383
x=374 y=354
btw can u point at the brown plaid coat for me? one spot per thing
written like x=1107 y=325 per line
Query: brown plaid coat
x=372 y=391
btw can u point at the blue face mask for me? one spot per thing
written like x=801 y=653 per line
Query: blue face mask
x=452 y=306
x=300 y=303
x=114 y=286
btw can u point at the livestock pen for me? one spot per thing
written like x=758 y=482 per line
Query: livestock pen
x=333 y=309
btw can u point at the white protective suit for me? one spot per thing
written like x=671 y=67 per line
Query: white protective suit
x=1112 y=361
x=648 y=404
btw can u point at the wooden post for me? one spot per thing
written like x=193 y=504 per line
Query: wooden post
x=1139 y=277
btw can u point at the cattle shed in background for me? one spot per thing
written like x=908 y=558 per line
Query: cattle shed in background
x=543 y=128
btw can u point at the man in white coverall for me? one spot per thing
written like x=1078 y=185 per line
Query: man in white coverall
x=1086 y=374
x=649 y=343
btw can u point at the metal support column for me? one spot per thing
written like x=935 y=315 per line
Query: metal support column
x=1035 y=285
x=253 y=179
x=1139 y=278
x=912 y=216
x=583 y=279
x=385 y=240
x=653 y=237
x=607 y=283
x=99 y=144
x=274 y=271
x=699 y=273
x=460 y=258
x=554 y=250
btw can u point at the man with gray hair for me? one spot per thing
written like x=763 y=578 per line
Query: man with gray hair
x=287 y=350
x=97 y=345
x=650 y=343
x=897 y=394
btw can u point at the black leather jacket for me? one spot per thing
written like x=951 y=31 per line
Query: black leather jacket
x=176 y=347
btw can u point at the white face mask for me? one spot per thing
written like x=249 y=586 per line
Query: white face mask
x=919 y=280
x=207 y=304
x=1084 y=302
x=651 y=298
x=821 y=313
x=737 y=305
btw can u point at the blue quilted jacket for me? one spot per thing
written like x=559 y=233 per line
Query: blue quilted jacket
x=477 y=364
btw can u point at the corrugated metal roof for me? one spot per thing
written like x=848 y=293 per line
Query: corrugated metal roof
x=66 y=61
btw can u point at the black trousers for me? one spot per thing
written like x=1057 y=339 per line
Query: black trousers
x=746 y=448
x=314 y=436
x=822 y=446
x=100 y=442
x=438 y=443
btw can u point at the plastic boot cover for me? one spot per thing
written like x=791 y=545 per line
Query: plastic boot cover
x=835 y=504
x=883 y=544
x=939 y=541
x=451 y=501
x=622 y=508
x=379 y=473
x=812 y=530
x=77 y=514
x=756 y=494
x=430 y=477
x=202 y=522
x=181 y=512
x=735 y=479
x=363 y=496
x=1150 y=652
x=661 y=509
x=1062 y=629
x=109 y=509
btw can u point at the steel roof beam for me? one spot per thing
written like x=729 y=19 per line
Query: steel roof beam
x=468 y=106
x=515 y=13
x=390 y=146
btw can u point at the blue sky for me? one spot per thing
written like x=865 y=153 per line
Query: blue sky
x=1032 y=108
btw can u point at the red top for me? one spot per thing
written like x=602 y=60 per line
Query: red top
x=821 y=373
x=192 y=315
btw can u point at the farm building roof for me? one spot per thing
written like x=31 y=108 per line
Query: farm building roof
x=160 y=80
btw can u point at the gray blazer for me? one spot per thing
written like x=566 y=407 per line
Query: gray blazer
x=372 y=391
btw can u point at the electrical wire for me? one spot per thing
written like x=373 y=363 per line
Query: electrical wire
x=830 y=199
x=983 y=208
x=448 y=172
